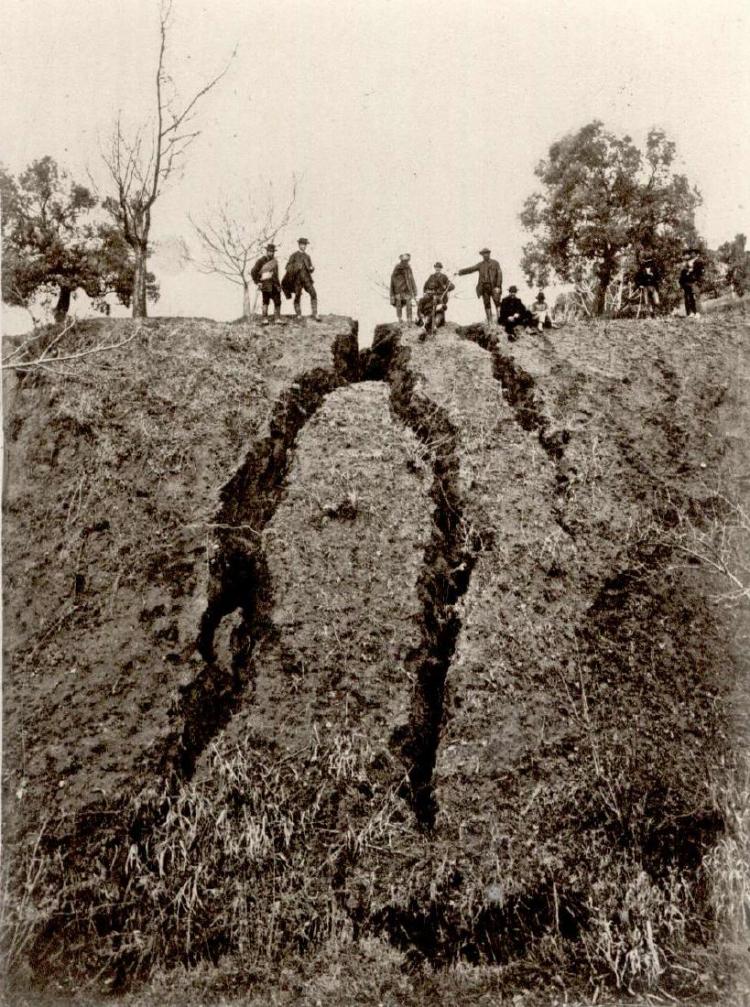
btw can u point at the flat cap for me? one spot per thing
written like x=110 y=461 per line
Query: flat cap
x=404 y=255
x=484 y=251
x=270 y=248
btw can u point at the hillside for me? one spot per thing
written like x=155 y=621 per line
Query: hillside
x=427 y=654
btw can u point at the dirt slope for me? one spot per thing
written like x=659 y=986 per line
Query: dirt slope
x=439 y=643
x=114 y=467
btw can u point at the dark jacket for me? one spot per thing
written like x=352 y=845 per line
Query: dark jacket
x=490 y=274
x=265 y=273
x=300 y=264
x=692 y=273
x=647 y=276
x=438 y=283
x=402 y=281
x=512 y=307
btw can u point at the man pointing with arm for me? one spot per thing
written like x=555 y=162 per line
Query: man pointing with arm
x=490 y=282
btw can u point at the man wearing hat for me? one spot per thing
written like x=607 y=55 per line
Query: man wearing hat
x=646 y=280
x=513 y=313
x=298 y=277
x=690 y=277
x=490 y=283
x=403 y=286
x=433 y=305
x=265 y=274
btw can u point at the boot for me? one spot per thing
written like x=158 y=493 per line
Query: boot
x=314 y=309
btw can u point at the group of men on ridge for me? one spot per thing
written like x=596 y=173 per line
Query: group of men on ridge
x=432 y=306
x=297 y=277
x=648 y=277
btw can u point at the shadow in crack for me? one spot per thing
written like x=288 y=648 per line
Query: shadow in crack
x=448 y=563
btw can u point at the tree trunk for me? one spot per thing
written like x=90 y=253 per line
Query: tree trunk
x=601 y=297
x=247 y=308
x=139 y=280
x=63 y=304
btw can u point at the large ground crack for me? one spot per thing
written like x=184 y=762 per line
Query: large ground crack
x=521 y=395
x=239 y=580
x=448 y=562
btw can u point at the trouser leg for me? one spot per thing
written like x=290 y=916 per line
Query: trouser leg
x=408 y=311
x=399 y=311
x=487 y=301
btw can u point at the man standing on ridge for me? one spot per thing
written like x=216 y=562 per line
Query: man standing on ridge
x=298 y=277
x=690 y=278
x=265 y=274
x=403 y=287
x=490 y=283
x=646 y=281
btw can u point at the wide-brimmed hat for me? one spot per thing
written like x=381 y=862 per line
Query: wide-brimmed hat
x=302 y=241
x=270 y=248
x=485 y=251
x=512 y=290
x=438 y=265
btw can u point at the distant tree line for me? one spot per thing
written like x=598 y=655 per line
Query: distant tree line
x=604 y=206
x=55 y=243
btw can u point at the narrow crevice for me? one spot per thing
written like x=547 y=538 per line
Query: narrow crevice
x=520 y=393
x=448 y=562
x=239 y=579
x=437 y=931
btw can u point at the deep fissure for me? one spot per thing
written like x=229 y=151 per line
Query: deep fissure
x=239 y=579
x=519 y=388
x=448 y=562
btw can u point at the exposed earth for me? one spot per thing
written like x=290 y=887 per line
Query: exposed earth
x=427 y=656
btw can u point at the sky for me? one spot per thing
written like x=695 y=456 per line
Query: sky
x=411 y=125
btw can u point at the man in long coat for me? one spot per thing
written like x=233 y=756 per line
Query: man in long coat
x=265 y=274
x=298 y=277
x=690 y=278
x=489 y=284
x=403 y=287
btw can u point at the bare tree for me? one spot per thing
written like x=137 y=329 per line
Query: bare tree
x=141 y=164
x=233 y=236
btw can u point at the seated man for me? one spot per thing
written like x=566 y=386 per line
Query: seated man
x=513 y=313
x=540 y=312
x=433 y=305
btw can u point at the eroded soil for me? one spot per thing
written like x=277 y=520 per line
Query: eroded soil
x=476 y=605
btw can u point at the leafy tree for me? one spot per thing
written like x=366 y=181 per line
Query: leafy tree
x=736 y=258
x=603 y=205
x=53 y=246
x=140 y=165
